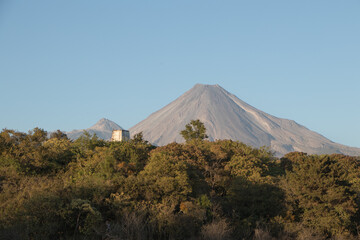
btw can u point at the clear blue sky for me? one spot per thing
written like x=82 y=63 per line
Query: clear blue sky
x=66 y=64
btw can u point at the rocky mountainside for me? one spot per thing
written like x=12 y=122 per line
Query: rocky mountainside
x=227 y=117
x=103 y=129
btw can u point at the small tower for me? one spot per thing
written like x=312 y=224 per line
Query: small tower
x=120 y=135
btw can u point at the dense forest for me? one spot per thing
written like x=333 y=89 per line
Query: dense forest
x=55 y=188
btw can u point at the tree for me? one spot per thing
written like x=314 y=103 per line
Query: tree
x=59 y=135
x=319 y=195
x=195 y=130
x=139 y=138
x=87 y=142
x=166 y=176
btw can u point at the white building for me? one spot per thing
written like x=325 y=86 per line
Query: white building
x=120 y=135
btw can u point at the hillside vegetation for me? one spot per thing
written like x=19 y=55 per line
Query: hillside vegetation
x=55 y=188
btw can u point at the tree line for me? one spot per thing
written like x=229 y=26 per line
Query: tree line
x=54 y=188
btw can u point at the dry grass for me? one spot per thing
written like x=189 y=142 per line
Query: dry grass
x=217 y=230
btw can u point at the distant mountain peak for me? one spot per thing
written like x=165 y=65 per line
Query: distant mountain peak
x=102 y=128
x=227 y=117
x=106 y=123
x=103 y=120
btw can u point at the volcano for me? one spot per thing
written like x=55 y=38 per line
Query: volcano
x=227 y=117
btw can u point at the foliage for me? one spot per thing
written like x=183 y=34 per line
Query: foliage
x=52 y=187
x=320 y=194
x=87 y=143
x=34 y=153
x=166 y=177
x=195 y=130
x=59 y=135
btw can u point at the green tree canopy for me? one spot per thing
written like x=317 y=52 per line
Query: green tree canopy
x=320 y=195
x=59 y=135
x=195 y=130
